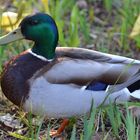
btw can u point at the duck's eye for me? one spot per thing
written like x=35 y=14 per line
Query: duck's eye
x=33 y=22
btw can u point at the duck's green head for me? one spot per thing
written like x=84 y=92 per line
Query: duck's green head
x=41 y=29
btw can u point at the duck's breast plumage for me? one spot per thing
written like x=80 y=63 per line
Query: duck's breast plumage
x=15 y=76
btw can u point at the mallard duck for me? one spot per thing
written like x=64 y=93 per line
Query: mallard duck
x=49 y=81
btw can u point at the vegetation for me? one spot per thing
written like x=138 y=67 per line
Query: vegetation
x=103 y=25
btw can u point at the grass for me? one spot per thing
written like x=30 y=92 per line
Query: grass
x=102 y=25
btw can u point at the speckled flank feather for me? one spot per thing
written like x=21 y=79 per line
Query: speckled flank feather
x=66 y=100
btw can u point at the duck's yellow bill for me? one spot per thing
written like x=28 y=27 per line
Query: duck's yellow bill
x=12 y=36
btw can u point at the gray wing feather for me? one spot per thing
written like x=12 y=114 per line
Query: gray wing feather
x=131 y=80
x=80 y=53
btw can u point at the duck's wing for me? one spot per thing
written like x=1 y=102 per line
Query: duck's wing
x=132 y=80
x=81 y=66
x=81 y=53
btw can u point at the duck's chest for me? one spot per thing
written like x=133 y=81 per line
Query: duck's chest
x=15 y=76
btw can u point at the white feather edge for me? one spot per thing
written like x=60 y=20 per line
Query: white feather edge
x=39 y=56
x=136 y=94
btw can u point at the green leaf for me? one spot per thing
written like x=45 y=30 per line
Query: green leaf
x=18 y=136
x=73 y=135
x=74 y=39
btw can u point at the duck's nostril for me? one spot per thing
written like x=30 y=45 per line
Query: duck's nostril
x=14 y=32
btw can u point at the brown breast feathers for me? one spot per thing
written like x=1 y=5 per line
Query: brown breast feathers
x=16 y=74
